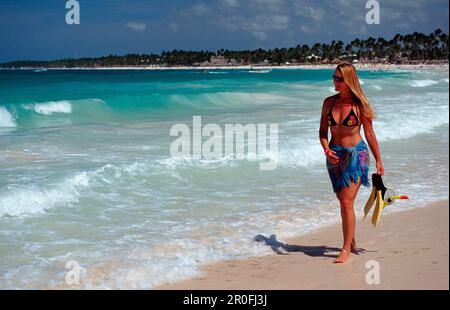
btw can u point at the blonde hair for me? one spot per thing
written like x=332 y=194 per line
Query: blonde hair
x=351 y=78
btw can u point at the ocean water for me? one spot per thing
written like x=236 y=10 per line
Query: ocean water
x=87 y=176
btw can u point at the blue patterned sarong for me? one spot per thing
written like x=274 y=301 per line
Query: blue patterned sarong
x=353 y=163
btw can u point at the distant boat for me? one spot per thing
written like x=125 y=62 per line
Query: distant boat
x=40 y=70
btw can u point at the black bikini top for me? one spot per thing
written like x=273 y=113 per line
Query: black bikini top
x=350 y=121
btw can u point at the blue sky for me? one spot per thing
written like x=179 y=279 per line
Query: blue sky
x=36 y=29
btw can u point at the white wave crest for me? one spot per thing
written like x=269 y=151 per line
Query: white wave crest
x=6 y=118
x=63 y=106
x=422 y=83
x=52 y=107
x=377 y=87
x=96 y=100
x=34 y=200
x=230 y=99
x=300 y=152
x=417 y=115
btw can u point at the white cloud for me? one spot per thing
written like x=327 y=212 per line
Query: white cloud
x=231 y=3
x=344 y=3
x=418 y=17
x=267 y=2
x=404 y=25
x=136 y=26
x=280 y=21
x=418 y=4
x=390 y=14
x=274 y=19
x=267 y=6
x=305 y=9
x=174 y=27
x=231 y=23
x=261 y=25
x=199 y=9
x=305 y=29
x=355 y=26
x=261 y=35
x=362 y=30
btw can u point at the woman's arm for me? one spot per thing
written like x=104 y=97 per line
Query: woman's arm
x=373 y=142
x=323 y=135
x=323 y=131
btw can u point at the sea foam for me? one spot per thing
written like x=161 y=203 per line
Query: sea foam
x=6 y=118
x=422 y=83
x=34 y=200
x=52 y=107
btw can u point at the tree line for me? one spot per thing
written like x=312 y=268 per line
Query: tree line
x=399 y=49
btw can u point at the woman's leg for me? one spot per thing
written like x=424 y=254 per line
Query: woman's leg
x=347 y=198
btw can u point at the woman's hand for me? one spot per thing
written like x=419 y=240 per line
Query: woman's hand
x=380 y=168
x=331 y=157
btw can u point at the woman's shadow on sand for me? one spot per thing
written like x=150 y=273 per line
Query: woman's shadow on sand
x=283 y=248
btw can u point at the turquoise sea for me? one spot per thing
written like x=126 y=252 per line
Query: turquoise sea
x=87 y=176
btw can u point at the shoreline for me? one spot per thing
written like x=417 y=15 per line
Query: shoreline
x=307 y=263
x=367 y=67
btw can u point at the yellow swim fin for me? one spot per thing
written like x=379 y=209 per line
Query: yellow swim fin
x=370 y=202
x=382 y=198
x=379 y=206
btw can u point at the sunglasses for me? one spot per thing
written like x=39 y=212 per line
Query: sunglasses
x=338 y=78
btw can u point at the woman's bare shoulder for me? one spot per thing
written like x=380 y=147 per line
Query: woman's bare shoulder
x=329 y=100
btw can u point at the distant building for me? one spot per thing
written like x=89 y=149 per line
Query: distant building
x=336 y=61
x=348 y=56
x=218 y=61
x=313 y=57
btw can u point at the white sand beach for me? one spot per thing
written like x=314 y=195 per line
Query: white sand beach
x=411 y=247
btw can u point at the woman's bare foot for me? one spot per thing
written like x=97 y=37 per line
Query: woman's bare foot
x=355 y=249
x=343 y=257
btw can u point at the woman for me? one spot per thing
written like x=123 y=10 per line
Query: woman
x=347 y=154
